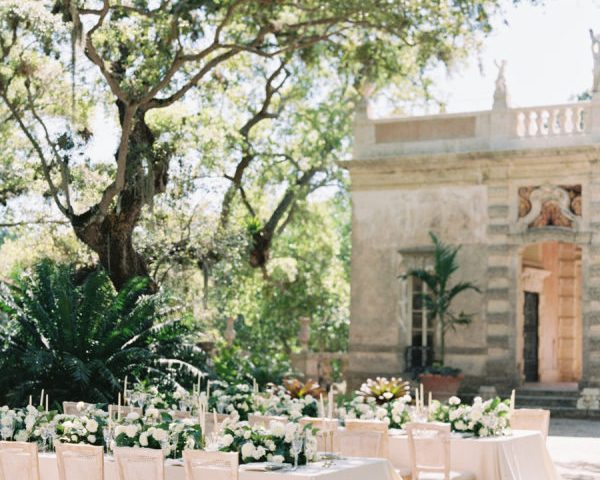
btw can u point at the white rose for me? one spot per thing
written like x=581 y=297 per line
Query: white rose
x=73 y=438
x=227 y=440
x=153 y=412
x=133 y=416
x=91 y=438
x=80 y=406
x=259 y=453
x=92 y=426
x=247 y=450
x=22 y=436
x=144 y=439
x=278 y=459
x=131 y=430
x=247 y=434
x=277 y=428
x=160 y=435
x=454 y=401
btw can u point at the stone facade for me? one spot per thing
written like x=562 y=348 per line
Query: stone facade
x=494 y=182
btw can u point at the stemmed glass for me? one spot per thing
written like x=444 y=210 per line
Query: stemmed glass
x=297 y=443
x=45 y=434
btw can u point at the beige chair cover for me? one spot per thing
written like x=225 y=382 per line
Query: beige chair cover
x=139 y=463
x=19 y=461
x=113 y=411
x=429 y=449
x=368 y=436
x=78 y=462
x=531 y=419
x=70 y=408
x=201 y=465
x=265 y=420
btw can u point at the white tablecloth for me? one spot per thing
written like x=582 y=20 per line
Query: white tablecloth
x=347 y=469
x=520 y=456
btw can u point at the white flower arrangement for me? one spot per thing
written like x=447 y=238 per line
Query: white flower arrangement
x=86 y=428
x=483 y=419
x=232 y=398
x=277 y=401
x=395 y=413
x=257 y=444
x=23 y=424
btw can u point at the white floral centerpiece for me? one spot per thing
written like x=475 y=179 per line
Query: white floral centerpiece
x=483 y=419
x=278 y=400
x=149 y=431
x=229 y=398
x=87 y=427
x=257 y=444
x=27 y=424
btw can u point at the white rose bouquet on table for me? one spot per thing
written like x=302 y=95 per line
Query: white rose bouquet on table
x=143 y=395
x=278 y=400
x=185 y=434
x=395 y=413
x=483 y=419
x=87 y=428
x=145 y=432
x=232 y=398
x=24 y=424
x=257 y=444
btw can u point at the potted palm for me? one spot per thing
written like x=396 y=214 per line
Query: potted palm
x=443 y=381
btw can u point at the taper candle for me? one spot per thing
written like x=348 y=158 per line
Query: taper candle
x=125 y=391
x=42 y=398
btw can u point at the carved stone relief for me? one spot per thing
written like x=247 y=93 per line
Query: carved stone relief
x=549 y=206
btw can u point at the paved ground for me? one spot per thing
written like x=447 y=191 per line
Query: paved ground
x=574 y=446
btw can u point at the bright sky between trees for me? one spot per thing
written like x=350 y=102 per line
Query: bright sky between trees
x=547 y=47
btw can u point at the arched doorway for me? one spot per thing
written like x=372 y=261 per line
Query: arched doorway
x=549 y=346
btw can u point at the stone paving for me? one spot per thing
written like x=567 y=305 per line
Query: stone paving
x=574 y=446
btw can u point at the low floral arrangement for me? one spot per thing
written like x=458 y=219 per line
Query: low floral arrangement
x=277 y=400
x=483 y=419
x=144 y=395
x=27 y=424
x=257 y=444
x=395 y=413
x=87 y=427
x=228 y=398
x=158 y=430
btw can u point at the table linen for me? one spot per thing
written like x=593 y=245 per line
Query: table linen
x=346 y=469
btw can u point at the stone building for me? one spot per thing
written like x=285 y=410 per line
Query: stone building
x=519 y=190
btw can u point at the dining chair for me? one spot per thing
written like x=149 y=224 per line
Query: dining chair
x=201 y=465
x=364 y=438
x=325 y=426
x=255 y=419
x=179 y=414
x=535 y=419
x=210 y=423
x=139 y=463
x=113 y=411
x=429 y=450
x=77 y=462
x=70 y=408
x=19 y=460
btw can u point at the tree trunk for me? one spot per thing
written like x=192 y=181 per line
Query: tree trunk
x=111 y=235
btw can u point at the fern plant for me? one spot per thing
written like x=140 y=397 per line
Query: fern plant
x=78 y=340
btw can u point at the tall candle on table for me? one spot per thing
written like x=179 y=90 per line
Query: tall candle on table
x=429 y=399
x=208 y=389
x=119 y=407
x=199 y=382
x=42 y=398
x=321 y=406
x=125 y=391
x=421 y=395
x=330 y=405
x=215 y=421
x=30 y=400
x=417 y=399
x=512 y=400
x=47 y=402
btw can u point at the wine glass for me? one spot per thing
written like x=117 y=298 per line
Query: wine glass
x=45 y=434
x=297 y=443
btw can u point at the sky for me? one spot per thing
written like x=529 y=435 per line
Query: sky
x=548 y=50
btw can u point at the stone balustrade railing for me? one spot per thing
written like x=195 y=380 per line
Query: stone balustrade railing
x=567 y=125
x=552 y=120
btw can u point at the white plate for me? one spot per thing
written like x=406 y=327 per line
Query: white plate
x=264 y=466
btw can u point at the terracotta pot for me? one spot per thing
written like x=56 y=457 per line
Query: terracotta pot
x=442 y=387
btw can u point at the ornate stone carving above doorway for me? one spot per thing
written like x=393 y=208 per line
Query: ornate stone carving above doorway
x=549 y=206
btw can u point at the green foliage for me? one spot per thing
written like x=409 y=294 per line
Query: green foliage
x=441 y=292
x=79 y=339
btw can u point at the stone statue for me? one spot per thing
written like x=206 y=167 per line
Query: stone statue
x=596 y=55
x=501 y=95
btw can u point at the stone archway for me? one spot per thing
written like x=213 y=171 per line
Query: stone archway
x=549 y=340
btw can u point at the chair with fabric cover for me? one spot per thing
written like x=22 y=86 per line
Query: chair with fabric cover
x=324 y=426
x=372 y=448
x=201 y=465
x=19 y=461
x=139 y=463
x=265 y=420
x=70 y=408
x=180 y=414
x=535 y=419
x=429 y=450
x=77 y=462
x=113 y=411
x=210 y=424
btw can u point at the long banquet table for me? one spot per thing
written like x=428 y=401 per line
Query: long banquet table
x=347 y=469
x=520 y=456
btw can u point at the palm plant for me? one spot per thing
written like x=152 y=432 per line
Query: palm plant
x=78 y=341
x=441 y=292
